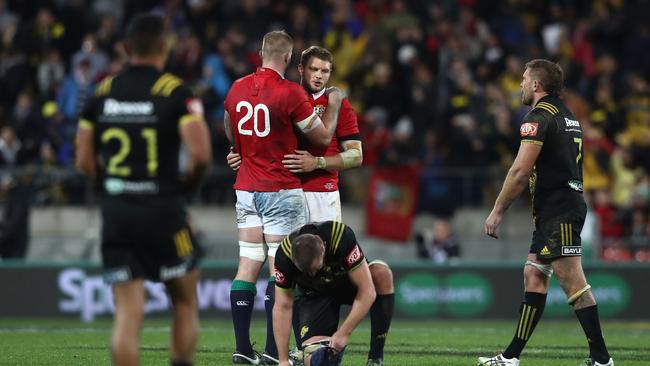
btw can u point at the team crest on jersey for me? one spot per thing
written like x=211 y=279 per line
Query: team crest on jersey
x=279 y=277
x=528 y=129
x=329 y=186
x=319 y=110
x=354 y=256
x=194 y=106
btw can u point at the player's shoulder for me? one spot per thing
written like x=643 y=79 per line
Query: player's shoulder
x=167 y=84
x=346 y=105
x=338 y=235
x=283 y=256
x=547 y=107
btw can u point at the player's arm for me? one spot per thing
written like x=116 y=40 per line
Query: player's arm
x=195 y=135
x=282 y=313
x=320 y=131
x=302 y=161
x=515 y=183
x=85 y=159
x=227 y=126
x=361 y=278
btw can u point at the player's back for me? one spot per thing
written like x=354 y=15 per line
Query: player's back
x=263 y=108
x=136 y=117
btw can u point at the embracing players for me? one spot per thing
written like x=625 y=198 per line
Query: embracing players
x=262 y=111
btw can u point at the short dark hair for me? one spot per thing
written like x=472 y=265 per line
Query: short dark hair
x=304 y=249
x=548 y=73
x=144 y=34
x=318 y=52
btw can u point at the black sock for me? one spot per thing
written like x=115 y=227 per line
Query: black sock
x=530 y=312
x=269 y=299
x=242 y=298
x=381 y=313
x=181 y=363
x=295 y=322
x=588 y=318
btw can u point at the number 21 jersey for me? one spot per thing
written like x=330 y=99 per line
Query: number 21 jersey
x=263 y=108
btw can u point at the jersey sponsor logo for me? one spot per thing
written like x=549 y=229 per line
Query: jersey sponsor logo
x=279 y=277
x=576 y=185
x=329 y=186
x=571 y=122
x=114 y=107
x=319 y=110
x=115 y=186
x=528 y=129
x=571 y=251
x=194 y=106
x=354 y=255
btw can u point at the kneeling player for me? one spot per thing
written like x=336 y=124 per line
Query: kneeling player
x=325 y=265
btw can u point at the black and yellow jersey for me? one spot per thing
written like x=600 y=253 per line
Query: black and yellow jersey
x=342 y=255
x=135 y=117
x=559 y=165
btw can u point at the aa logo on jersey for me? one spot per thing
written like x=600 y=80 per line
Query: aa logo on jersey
x=354 y=255
x=279 y=277
x=528 y=129
x=319 y=110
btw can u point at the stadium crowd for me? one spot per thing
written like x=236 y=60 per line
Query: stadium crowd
x=435 y=83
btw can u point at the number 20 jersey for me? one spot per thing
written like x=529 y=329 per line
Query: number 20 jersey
x=136 y=117
x=263 y=109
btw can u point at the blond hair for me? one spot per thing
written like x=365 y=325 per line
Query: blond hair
x=276 y=44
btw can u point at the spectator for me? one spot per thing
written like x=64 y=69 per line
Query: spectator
x=439 y=245
x=14 y=227
x=10 y=147
x=50 y=74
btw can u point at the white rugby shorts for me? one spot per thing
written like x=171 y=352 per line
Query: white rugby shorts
x=278 y=213
x=323 y=206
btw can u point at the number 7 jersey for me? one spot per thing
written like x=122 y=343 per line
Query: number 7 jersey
x=559 y=165
x=136 y=117
x=263 y=109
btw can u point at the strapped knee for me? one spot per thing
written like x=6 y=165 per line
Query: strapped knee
x=546 y=269
x=273 y=247
x=254 y=251
x=379 y=262
x=573 y=298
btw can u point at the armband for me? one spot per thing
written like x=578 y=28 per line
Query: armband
x=351 y=158
x=321 y=163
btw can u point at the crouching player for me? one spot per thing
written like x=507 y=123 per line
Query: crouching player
x=324 y=265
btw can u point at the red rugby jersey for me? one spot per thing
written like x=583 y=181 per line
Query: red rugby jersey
x=263 y=108
x=321 y=180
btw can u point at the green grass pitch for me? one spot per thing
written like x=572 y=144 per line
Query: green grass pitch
x=412 y=343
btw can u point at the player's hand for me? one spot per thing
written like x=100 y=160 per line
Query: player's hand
x=339 y=341
x=334 y=94
x=492 y=223
x=300 y=162
x=233 y=159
